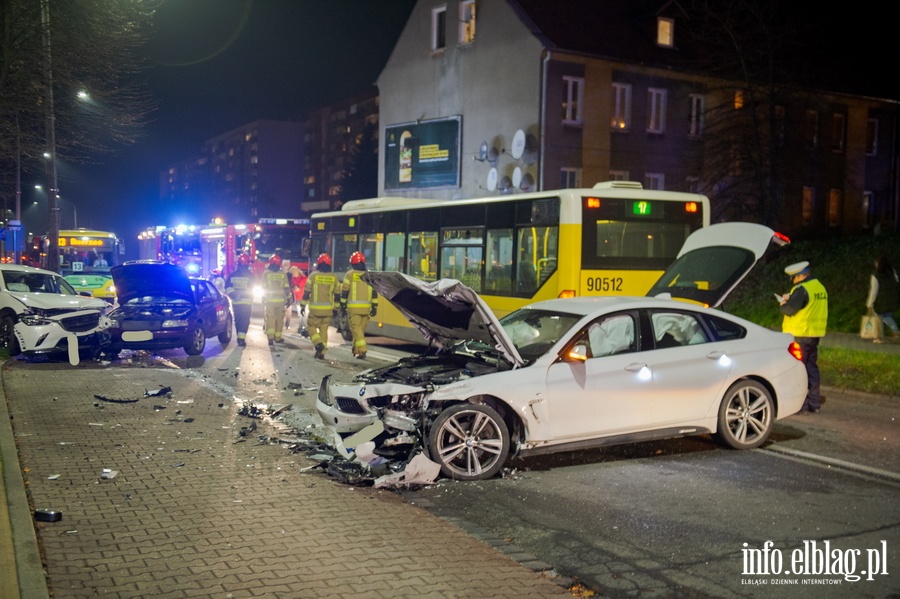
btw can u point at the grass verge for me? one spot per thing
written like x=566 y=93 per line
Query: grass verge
x=859 y=370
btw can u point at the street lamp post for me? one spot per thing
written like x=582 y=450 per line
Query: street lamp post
x=50 y=122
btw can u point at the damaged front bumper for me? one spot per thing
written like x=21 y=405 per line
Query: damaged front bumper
x=347 y=409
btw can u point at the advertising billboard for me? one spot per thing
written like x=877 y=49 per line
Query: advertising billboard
x=422 y=155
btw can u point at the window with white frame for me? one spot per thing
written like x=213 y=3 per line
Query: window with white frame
x=807 y=206
x=569 y=177
x=697 y=106
x=573 y=91
x=665 y=32
x=872 y=137
x=655 y=181
x=439 y=28
x=621 y=106
x=619 y=176
x=656 y=110
x=835 y=198
x=837 y=132
x=467 y=21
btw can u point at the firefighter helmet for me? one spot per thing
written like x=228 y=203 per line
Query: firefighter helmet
x=357 y=258
x=244 y=259
x=324 y=259
x=276 y=260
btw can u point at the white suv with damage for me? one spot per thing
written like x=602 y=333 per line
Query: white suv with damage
x=41 y=313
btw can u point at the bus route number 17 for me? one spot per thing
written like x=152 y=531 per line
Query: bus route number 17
x=604 y=284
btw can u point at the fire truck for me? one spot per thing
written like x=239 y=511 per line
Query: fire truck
x=179 y=245
x=213 y=249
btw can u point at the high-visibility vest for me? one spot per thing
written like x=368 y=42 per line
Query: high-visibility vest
x=812 y=319
x=277 y=287
x=359 y=293
x=239 y=287
x=320 y=290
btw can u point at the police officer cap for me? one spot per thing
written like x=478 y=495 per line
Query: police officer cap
x=796 y=269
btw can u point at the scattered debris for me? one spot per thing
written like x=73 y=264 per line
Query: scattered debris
x=53 y=477
x=107 y=474
x=113 y=400
x=47 y=515
x=419 y=471
x=162 y=391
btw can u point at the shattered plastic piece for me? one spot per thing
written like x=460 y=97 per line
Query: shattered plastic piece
x=107 y=474
x=419 y=471
x=47 y=515
x=365 y=453
x=53 y=477
x=158 y=392
x=113 y=400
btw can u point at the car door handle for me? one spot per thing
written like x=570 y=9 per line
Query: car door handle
x=715 y=355
x=636 y=367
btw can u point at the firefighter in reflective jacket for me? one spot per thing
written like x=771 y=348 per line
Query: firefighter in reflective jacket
x=359 y=302
x=278 y=290
x=319 y=295
x=239 y=287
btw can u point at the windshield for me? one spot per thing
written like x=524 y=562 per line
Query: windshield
x=533 y=332
x=37 y=283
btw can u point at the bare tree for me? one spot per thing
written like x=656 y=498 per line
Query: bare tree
x=360 y=179
x=99 y=102
x=745 y=46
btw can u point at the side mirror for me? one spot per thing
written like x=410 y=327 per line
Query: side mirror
x=578 y=353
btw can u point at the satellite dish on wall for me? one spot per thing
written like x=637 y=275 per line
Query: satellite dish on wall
x=516 y=176
x=483 y=151
x=518 y=144
x=527 y=182
x=505 y=183
x=492 y=179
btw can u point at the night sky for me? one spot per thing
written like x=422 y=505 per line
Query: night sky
x=218 y=64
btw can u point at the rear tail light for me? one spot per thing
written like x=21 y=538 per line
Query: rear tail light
x=794 y=350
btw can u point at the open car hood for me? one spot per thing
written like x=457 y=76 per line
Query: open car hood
x=139 y=279
x=444 y=311
x=713 y=260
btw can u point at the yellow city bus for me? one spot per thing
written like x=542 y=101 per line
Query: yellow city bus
x=87 y=252
x=613 y=239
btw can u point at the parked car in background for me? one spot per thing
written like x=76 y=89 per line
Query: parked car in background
x=96 y=285
x=160 y=307
x=41 y=313
x=568 y=374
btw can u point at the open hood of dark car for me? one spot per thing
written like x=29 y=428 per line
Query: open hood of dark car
x=444 y=311
x=158 y=279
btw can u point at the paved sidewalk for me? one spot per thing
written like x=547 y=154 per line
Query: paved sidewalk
x=194 y=509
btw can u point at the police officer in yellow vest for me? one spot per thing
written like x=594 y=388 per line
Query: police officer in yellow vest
x=278 y=290
x=359 y=302
x=805 y=312
x=319 y=294
x=239 y=287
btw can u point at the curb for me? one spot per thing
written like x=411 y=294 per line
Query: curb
x=32 y=579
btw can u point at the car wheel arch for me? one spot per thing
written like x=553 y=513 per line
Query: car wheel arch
x=513 y=421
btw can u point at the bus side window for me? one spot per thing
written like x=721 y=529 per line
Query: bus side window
x=526 y=278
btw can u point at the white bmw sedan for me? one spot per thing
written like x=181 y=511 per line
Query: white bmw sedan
x=568 y=374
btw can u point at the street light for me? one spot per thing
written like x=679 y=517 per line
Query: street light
x=50 y=121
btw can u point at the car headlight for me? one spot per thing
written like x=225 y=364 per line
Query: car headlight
x=174 y=323
x=34 y=320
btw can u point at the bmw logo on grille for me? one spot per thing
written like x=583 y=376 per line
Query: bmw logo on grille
x=362 y=391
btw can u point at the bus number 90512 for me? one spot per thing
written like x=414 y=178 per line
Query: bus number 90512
x=604 y=284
